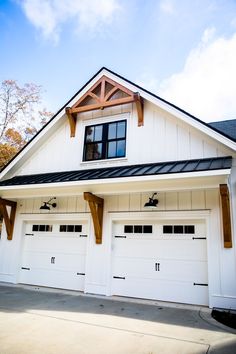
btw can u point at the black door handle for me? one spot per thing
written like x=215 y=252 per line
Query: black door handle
x=157 y=267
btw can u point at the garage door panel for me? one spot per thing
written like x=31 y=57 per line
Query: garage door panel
x=170 y=269
x=180 y=248
x=54 y=243
x=57 y=261
x=163 y=290
x=52 y=278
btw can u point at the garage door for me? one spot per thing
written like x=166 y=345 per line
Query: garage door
x=164 y=261
x=54 y=254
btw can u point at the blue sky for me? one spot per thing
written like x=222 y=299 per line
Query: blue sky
x=184 y=51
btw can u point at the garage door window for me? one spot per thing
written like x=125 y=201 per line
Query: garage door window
x=138 y=229
x=178 y=229
x=70 y=228
x=42 y=228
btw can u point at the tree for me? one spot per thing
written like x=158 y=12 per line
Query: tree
x=20 y=117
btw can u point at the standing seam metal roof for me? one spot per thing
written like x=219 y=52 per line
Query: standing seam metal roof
x=159 y=168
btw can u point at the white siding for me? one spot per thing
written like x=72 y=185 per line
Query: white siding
x=222 y=275
x=162 y=138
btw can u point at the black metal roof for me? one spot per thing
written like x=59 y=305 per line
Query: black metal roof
x=227 y=127
x=159 y=168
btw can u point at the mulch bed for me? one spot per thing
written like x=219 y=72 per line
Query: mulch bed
x=225 y=317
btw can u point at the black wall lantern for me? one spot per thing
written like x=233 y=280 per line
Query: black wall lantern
x=46 y=205
x=152 y=203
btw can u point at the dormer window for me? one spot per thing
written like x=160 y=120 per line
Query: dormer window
x=105 y=141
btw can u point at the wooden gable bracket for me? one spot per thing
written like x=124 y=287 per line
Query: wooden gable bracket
x=9 y=221
x=96 y=207
x=72 y=121
x=104 y=93
x=226 y=215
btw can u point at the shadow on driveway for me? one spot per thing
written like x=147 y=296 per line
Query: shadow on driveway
x=71 y=324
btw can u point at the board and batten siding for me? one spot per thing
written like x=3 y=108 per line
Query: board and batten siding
x=221 y=261
x=186 y=200
x=162 y=138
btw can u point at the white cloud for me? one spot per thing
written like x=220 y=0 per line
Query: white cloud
x=206 y=87
x=49 y=15
x=167 y=6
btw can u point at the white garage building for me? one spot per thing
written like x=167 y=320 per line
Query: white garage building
x=103 y=156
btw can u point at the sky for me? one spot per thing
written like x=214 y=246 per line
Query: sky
x=181 y=50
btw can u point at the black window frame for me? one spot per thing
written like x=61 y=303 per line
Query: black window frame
x=104 y=141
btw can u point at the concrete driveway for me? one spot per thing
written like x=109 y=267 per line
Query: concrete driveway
x=43 y=321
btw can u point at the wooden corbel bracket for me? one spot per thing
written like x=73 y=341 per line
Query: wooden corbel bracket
x=9 y=220
x=96 y=207
x=72 y=121
x=139 y=106
x=226 y=215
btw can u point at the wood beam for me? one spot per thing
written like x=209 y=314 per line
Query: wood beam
x=72 y=121
x=102 y=105
x=96 y=205
x=226 y=215
x=9 y=220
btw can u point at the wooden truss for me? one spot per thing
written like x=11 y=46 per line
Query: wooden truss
x=9 y=220
x=96 y=207
x=104 y=93
x=226 y=215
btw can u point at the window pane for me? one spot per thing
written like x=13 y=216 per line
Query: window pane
x=89 y=152
x=78 y=228
x=138 y=229
x=167 y=229
x=178 y=229
x=89 y=134
x=112 y=149
x=98 y=133
x=128 y=229
x=120 y=148
x=97 y=152
x=48 y=228
x=112 y=131
x=147 y=229
x=189 y=229
x=62 y=228
x=42 y=227
x=35 y=228
x=121 y=129
x=70 y=228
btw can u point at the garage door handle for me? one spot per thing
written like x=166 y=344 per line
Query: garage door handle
x=157 y=267
x=53 y=260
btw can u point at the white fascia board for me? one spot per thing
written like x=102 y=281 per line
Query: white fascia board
x=121 y=180
x=174 y=111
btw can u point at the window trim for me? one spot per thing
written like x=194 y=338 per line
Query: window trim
x=105 y=141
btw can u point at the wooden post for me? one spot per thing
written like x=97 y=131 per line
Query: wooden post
x=96 y=205
x=226 y=215
x=9 y=221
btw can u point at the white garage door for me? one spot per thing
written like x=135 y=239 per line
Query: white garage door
x=54 y=254
x=163 y=261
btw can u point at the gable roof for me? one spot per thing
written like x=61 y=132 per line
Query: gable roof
x=151 y=169
x=226 y=127
x=199 y=122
